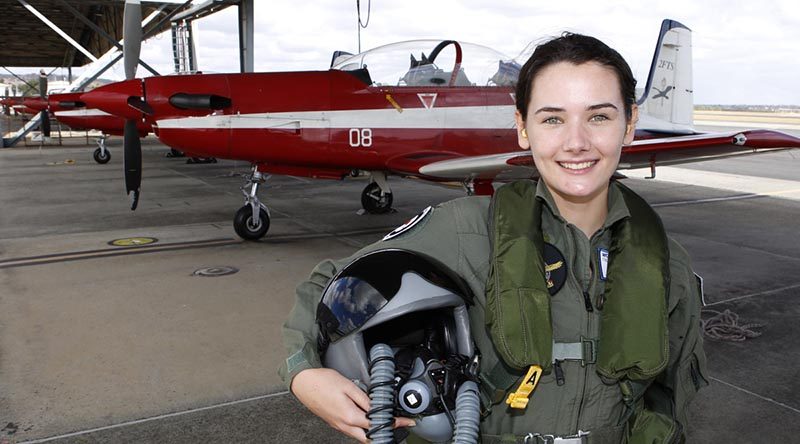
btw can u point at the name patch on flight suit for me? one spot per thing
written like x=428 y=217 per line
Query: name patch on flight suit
x=602 y=262
x=409 y=224
x=555 y=268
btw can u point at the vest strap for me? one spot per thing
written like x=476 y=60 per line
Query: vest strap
x=584 y=351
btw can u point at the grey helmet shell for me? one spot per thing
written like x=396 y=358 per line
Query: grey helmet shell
x=383 y=286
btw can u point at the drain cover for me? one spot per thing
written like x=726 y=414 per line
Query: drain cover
x=132 y=241
x=215 y=271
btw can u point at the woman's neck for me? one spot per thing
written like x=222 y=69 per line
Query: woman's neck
x=588 y=215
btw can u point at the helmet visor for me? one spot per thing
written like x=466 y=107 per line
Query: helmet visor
x=347 y=304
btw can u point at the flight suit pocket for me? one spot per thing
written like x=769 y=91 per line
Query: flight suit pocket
x=691 y=378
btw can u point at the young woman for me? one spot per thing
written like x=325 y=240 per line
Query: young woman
x=573 y=273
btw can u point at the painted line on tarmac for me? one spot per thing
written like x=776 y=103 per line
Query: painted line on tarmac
x=711 y=199
x=175 y=246
x=760 y=293
x=756 y=395
x=154 y=418
x=111 y=252
x=725 y=198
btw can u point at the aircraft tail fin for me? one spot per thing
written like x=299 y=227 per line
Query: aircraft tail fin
x=668 y=94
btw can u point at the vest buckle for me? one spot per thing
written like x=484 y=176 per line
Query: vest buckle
x=537 y=438
x=589 y=351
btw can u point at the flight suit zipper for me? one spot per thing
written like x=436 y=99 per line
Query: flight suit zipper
x=591 y=287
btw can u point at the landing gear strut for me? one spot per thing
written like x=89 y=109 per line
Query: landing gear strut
x=101 y=154
x=251 y=221
x=377 y=196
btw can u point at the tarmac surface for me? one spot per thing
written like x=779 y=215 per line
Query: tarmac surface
x=108 y=344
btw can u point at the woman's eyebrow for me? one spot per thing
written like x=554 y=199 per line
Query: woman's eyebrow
x=549 y=109
x=602 y=105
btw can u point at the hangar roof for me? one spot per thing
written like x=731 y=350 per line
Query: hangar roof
x=29 y=42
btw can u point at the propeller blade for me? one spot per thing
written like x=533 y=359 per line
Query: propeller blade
x=45 y=123
x=42 y=84
x=131 y=36
x=132 y=161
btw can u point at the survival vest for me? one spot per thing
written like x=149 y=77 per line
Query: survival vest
x=634 y=341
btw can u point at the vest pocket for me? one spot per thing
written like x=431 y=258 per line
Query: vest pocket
x=535 y=326
x=651 y=427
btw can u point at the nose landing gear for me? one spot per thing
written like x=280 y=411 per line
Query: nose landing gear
x=251 y=221
x=377 y=196
x=101 y=154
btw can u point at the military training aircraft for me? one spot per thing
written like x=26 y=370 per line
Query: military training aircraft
x=445 y=116
x=69 y=110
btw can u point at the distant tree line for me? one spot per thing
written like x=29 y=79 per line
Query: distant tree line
x=755 y=108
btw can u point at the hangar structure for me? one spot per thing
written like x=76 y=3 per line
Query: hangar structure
x=88 y=33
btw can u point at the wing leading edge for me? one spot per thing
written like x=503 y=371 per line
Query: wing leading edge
x=639 y=154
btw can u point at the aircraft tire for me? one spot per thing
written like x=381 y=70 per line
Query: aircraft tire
x=242 y=223
x=372 y=201
x=100 y=158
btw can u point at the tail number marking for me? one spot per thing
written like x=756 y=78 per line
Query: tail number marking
x=360 y=137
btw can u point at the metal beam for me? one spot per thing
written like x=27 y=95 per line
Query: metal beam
x=203 y=9
x=101 y=32
x=164 y=20
x=246 y=31
x=58 y=30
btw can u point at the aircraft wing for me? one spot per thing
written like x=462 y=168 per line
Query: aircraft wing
x=438 y=165
x=641 y=153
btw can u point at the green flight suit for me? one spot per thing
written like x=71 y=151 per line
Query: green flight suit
x=456 y=233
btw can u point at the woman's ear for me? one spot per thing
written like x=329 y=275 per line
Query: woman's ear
x=522 y=133
x=630 y=127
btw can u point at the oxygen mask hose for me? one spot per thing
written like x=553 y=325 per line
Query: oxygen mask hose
x=381 y=394
x=468 y=414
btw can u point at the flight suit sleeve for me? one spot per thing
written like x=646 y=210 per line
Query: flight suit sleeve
x=300 y=329
x=686 y=373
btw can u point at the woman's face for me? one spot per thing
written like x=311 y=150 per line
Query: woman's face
x=576 y=127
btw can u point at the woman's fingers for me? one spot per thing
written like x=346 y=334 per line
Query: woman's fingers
x=400 y=421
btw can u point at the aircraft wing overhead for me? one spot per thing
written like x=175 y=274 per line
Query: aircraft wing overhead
x=639 y=154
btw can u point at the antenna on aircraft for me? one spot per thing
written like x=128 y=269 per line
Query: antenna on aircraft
x=360 y=23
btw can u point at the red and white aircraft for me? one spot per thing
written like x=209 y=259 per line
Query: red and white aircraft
x=448 y=116
x=68 y=109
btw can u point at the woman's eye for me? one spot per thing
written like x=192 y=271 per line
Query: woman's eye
x=552 y=120
x=599 y=118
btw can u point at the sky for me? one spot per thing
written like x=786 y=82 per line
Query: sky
x=745 y=52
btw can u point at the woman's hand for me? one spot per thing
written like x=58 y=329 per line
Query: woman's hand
x=337 y=400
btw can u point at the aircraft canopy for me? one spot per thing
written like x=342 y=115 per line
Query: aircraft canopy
x=433 y=63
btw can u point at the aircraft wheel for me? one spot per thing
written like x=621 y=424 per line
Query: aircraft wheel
x=243 y=223
x=373 y=202
x=100 y=158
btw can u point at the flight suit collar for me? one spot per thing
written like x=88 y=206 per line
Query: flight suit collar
x=617 y=210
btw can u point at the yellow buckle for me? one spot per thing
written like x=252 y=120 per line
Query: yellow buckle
x=519 y=399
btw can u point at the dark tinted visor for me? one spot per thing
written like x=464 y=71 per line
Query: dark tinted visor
x=347 y=304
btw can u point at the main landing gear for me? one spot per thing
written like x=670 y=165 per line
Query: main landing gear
x=377 y=196
x=101 y=154
x=251 y=221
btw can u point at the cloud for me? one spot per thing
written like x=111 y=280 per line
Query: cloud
x=744 y=51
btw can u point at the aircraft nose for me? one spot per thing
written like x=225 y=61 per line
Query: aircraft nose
x=35 y=103
x=115 y=98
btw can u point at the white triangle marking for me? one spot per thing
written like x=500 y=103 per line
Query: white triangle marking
x=427 y=99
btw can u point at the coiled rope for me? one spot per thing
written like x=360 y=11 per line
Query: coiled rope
x=724 y=326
